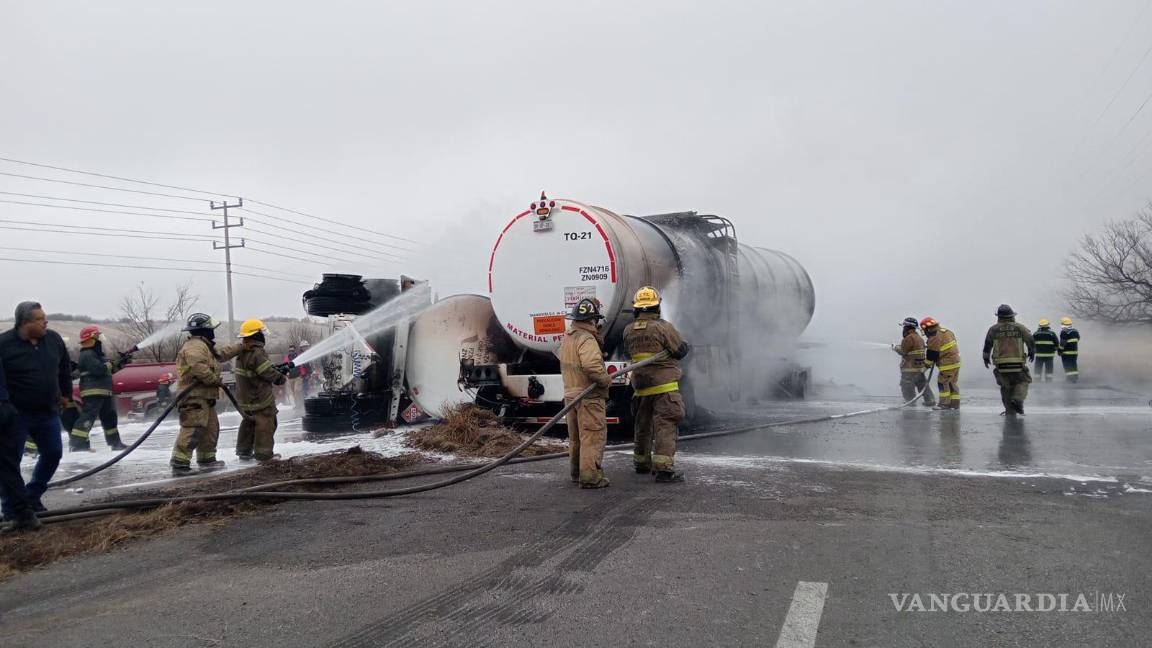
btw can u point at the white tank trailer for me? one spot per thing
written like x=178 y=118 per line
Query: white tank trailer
x=741 y=308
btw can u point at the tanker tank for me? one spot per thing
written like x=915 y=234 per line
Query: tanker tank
x=741 y=307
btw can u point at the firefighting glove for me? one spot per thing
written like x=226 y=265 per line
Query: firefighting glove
x=987 y=361
x=280 y=380
x=1031 y=357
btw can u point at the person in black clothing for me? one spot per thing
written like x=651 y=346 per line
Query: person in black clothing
x=1069 y=349
x=97 y=393
x=39 y=382
x=1047 y=344
x=11 y=482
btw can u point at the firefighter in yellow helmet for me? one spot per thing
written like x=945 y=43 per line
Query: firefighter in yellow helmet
x=1069 y=349
x=943 y=353
x=198 y=368
x=581 y=365
x=1047 y=345
x=255 y=376
x=657 y=406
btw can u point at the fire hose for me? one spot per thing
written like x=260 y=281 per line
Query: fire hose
x=181 y=395
x=469 y=471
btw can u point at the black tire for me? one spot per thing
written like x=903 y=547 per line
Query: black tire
x=325 y=305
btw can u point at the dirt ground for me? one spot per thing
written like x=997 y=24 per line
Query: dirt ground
x=56 y=541
x=472 y=431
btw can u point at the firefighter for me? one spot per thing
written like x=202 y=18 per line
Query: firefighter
x=912 y=353
x=97 y=397
x=657 y=406
x=581 y=365
x=164 y=390
x=198 y=367
x=1069 y=349
x=1047 y=344
x=1009 y=346
x=945 y=355
x=255 y=377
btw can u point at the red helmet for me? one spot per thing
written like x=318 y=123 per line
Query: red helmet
x=91 y=332
x=928 y=322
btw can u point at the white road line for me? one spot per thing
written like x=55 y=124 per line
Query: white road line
x=803 y=618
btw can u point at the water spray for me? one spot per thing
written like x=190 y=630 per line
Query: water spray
x=386 y=316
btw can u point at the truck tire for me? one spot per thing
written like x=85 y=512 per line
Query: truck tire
x=325 y=305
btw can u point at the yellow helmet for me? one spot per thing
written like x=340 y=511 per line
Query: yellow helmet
x=1043 y=322
x=252 y=327
x=646 y=297
x=1066 y=321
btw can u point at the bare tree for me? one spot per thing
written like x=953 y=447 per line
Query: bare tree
x=143 y=315
x=1110 y=276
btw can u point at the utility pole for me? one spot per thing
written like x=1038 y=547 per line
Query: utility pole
x=227 y=247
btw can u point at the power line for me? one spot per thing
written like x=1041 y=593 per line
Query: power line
x=203 y=216
x=189 y=189
x=203 y=237
x=317 y=236
x=135 y=236
x=105 y=211
x=105 y=204
x=1128 y=80
x=95 y=186
x=139 y=267
x=149 y=258
x=319 y=245
x=112 y=177
x=335 y=222
x=327 y=260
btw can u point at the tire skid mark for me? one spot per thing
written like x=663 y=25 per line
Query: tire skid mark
x=510 y=594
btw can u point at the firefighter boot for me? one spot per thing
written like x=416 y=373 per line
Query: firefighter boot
x=180 y=467
x=114 y=442
x=211 y=464
x=600 y=483
x=79 y=443
x=669 y=477
x=1018 y=406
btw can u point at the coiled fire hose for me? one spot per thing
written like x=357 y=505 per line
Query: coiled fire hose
x=468 y=471
x=181 y=395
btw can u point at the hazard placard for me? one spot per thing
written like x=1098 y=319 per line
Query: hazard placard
x=548 y=324
x=411 y=413
x=573 y=295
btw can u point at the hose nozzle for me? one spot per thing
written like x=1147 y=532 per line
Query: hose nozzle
x=285 y=367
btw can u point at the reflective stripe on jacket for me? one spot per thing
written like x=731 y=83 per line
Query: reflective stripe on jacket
x=1008 y=344
x=912 y=352
x=1047 y=342
x=943 y=351
x=1069 y=341
x=255 y=376
x=645 y=337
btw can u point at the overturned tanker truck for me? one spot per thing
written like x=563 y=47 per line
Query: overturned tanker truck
x=741 y=308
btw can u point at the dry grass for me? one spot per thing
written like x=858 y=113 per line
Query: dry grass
x=25 y=551
x=472 y=431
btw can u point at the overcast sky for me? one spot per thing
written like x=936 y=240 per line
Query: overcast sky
x=917 y=157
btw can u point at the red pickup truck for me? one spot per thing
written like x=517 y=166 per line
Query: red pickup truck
x=135 y=386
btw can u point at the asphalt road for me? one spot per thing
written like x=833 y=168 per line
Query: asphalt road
x=793 y=537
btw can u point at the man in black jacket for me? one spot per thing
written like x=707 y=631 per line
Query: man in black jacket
x=11 y=482
x=39 y=382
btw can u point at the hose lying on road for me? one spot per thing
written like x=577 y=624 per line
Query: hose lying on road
x=135 y=444
x=468 y=471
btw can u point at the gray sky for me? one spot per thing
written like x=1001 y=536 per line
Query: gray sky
x=917 y=157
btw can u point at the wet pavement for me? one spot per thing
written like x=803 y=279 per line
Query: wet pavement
x=805 y=535
x=1081 y=433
